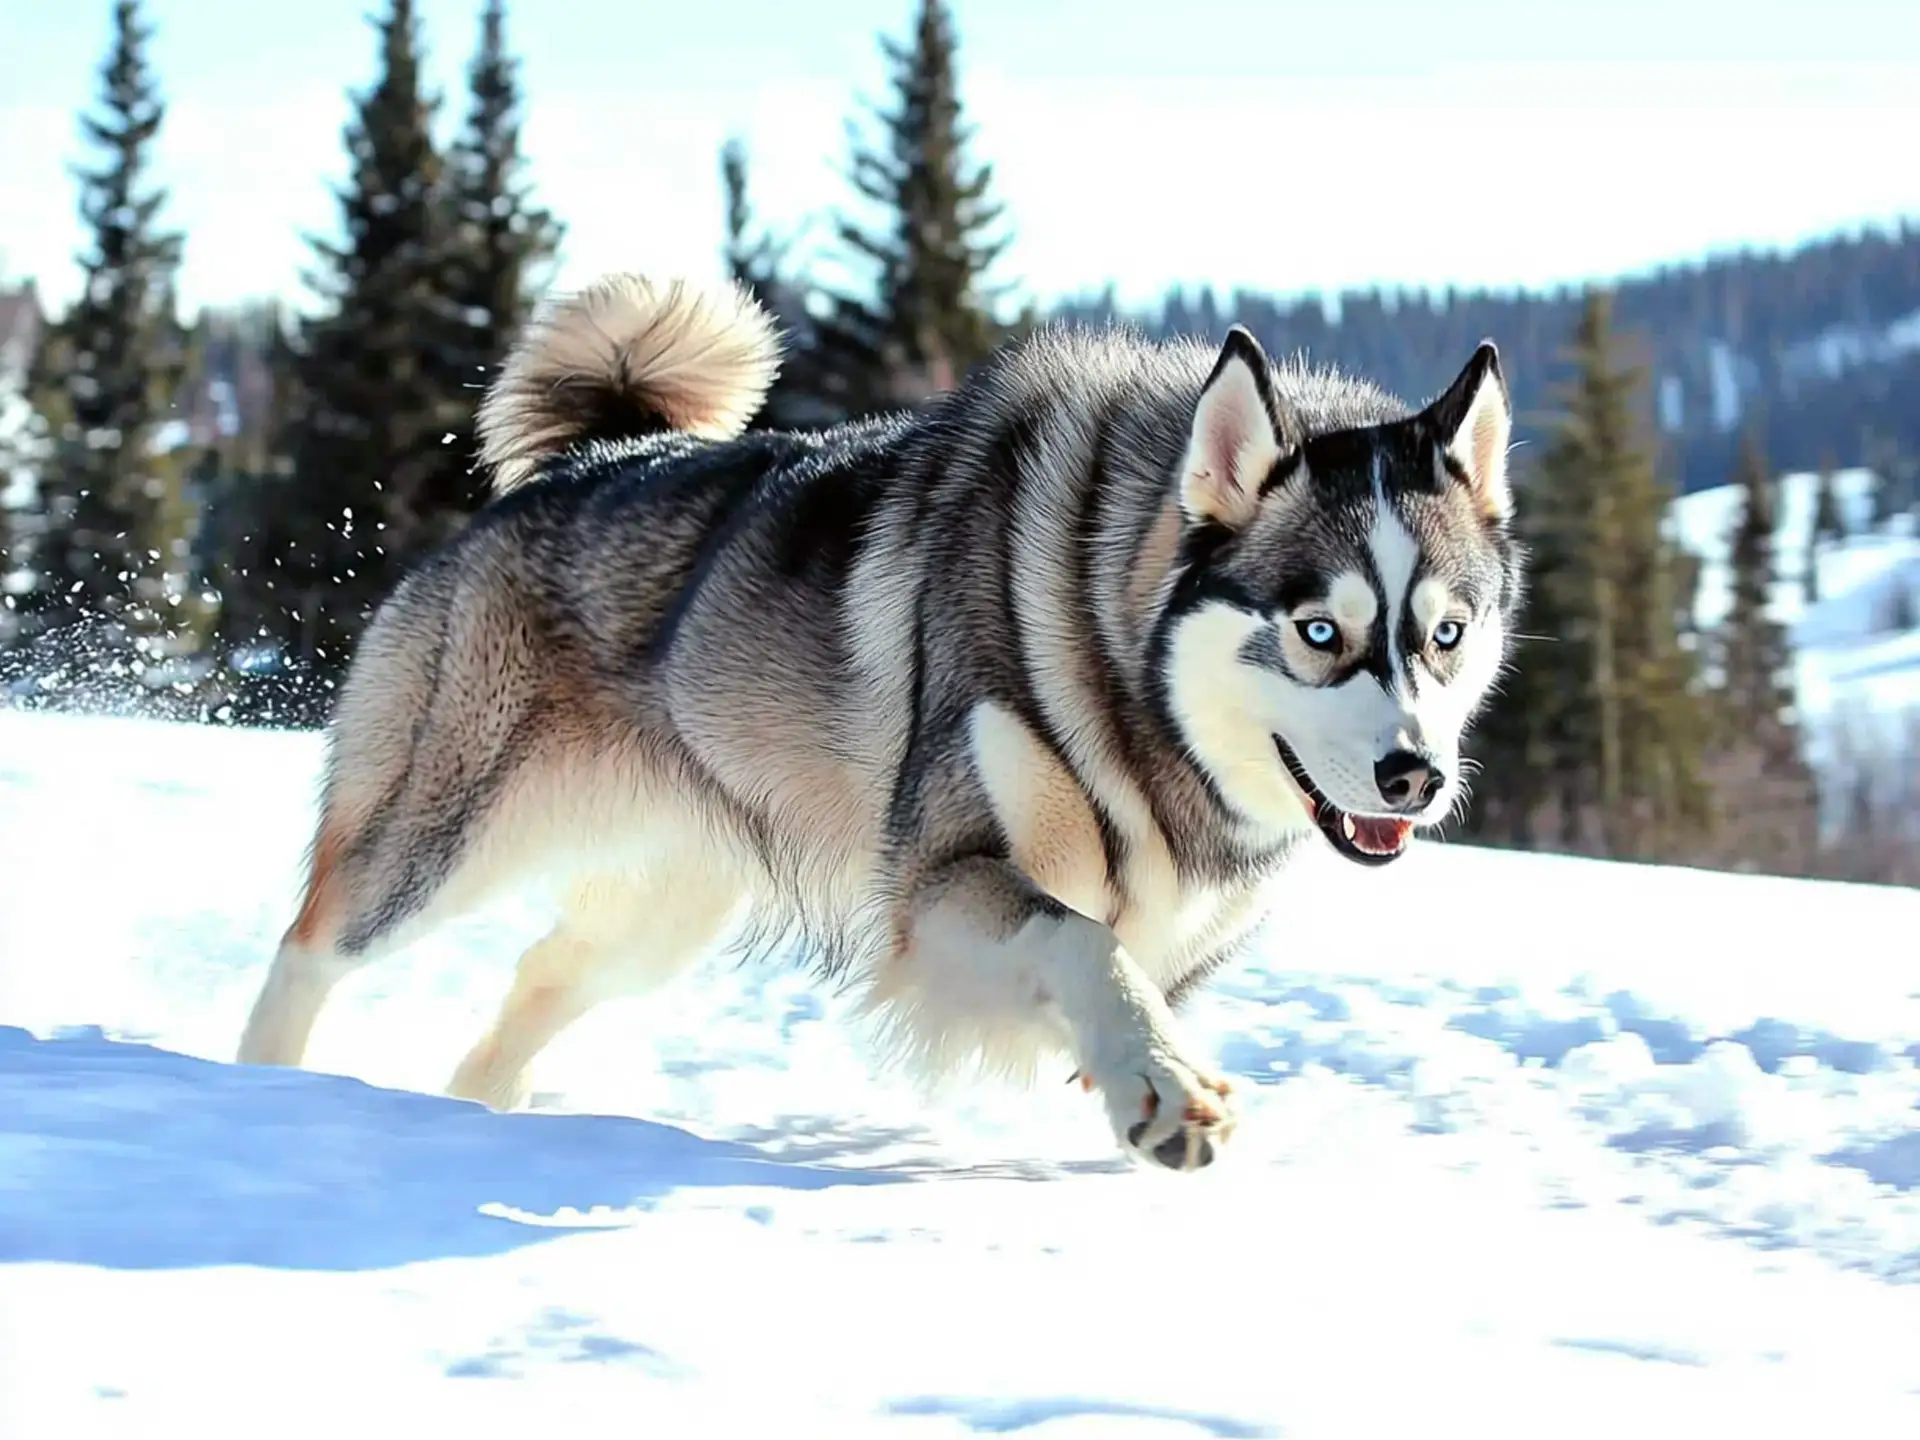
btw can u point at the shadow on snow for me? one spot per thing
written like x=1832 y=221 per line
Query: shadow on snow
x=136 y=1158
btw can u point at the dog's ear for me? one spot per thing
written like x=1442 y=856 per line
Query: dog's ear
x=1473 y=423
x=1237 y=436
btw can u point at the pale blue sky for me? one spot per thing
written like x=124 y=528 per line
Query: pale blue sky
x=1273 y=144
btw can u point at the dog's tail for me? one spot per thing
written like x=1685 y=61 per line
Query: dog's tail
x=625 y=357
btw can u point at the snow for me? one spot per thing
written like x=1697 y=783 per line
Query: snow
x=1529 y=1145
x=1848 y=345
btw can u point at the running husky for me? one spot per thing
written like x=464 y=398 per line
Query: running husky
x=1008 y=707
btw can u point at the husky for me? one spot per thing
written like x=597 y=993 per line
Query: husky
x=1007 y=707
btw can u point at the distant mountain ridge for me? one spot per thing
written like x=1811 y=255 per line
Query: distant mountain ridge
x=1819 y=347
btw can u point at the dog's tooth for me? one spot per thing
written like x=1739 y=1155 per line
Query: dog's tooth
x=1346 y=826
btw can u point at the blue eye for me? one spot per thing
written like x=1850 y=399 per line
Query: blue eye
x=1320 y=634
x=1448 y=633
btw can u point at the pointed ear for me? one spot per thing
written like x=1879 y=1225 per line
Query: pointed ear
x=1474 y=421
x=1236 y=437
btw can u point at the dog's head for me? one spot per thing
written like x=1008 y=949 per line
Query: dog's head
x=1342 y=606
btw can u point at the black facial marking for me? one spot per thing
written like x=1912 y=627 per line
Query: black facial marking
x=1284 y=469
x=1342 y=466
x=1378 y=662
x=1298 y=588
x=1263 y=648
x=1204 y=575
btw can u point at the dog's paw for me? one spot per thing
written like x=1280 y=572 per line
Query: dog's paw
x=480 y=1079
x=1167 y=1112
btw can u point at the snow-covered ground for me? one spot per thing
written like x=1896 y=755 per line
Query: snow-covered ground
x=1530 y=1146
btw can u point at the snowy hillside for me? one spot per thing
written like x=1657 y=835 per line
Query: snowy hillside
x=1857 y=651
x=1607 y=1151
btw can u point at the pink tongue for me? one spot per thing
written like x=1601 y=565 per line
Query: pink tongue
x=1381 y=837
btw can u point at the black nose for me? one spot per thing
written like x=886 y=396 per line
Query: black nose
x=1407 y=781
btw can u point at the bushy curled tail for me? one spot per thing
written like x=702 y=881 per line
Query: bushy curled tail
x=627 y=356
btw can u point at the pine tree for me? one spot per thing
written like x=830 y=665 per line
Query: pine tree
x=106 y=543
x=21 y=436
x=1654 y=799
x=1827 y=526
x=377 y=383
x=1600 y=734
x=1767 y=800
x=931 y=316
x=1752 y=647
x=15 y=468
x=1900 y=611
x=1755 y=678
x=1903 y=485
x=500 y=250
x=752 y=258
x=756 y=260
x=1519 y=746
x=253 y=525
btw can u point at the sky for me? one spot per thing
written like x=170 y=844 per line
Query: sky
x=1273 y=145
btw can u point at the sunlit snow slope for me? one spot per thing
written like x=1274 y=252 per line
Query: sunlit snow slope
x=1530 y=1147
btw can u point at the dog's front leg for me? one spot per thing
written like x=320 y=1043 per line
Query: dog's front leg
x=988 y=948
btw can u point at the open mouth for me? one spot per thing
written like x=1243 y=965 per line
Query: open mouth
x=1363 y=839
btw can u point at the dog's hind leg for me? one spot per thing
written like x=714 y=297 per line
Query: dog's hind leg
x=617 y=935
x=366 y=895
x=430 y=735
x=306 y=966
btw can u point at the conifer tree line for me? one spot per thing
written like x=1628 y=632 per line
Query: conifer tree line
x=1623 y=730
x=230 y=580
x=233 y=581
